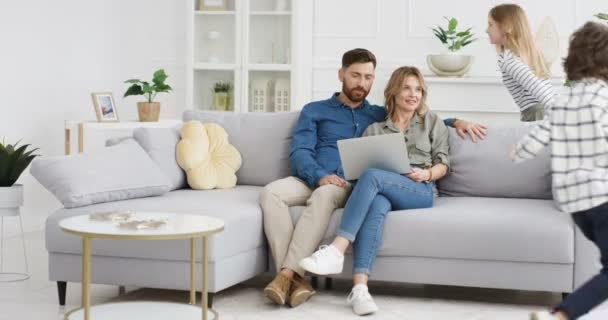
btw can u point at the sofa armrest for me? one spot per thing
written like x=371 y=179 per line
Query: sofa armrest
x=586 y=259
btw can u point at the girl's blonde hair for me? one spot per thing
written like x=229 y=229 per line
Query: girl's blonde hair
x=395 y=85
x=512 y=20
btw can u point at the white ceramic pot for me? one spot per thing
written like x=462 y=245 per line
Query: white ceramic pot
x=449 y=65
x=11 y=198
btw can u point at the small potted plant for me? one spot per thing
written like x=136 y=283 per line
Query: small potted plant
x=148 y=110
x=14 y=160
x=451 y=63
x=221 y=95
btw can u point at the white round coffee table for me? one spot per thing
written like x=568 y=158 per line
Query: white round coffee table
x=177 y=226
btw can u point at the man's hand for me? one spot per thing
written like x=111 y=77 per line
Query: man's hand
x=419 y=175
x=474 y=130
x=332 y=179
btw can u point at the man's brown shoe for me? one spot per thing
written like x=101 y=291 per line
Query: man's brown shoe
x=300 y=291
x=278 y=289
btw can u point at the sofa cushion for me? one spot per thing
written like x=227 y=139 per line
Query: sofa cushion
x=262 y=139
x=484 y=169
x=497 y=229
x=238 y=208
x=209 y=160
x=160 y=144
x=124 y=171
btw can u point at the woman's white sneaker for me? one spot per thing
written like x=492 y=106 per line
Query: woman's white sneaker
x=362 y=301
x=326 y=260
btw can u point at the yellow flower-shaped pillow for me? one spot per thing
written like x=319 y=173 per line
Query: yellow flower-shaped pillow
x=204 y=153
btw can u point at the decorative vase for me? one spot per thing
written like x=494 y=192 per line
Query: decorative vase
x=148 y=111
x=11 y=198
x=449 y=65
x=221 y=101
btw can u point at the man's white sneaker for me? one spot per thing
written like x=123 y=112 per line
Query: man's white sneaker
x=542 y=315
x=362 y=301
x=326 y=260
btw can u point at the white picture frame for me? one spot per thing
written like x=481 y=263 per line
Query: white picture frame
x=105 y=107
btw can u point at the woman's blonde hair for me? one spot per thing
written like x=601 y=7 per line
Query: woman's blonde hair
x=512 y=20
x=395 y=85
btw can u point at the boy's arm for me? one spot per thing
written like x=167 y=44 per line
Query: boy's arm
x=533 y=142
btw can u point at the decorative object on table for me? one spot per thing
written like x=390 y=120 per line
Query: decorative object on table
x=142 y=224
x=451 y=64
x=547 y=39
x=212 y=5
x=105 y=108
x=112 y=216
x=281 y=95
x=14 y=159
x=261 y=95
x=149 y=110
x=204 y=153
x=280 y=5
x=221 y=95
x=213 y=36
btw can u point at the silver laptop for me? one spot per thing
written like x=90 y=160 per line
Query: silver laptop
x=387 y=152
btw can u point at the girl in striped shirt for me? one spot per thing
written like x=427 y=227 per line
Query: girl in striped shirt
x=523 y=68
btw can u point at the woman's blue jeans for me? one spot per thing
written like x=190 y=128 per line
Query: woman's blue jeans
x=375 y=194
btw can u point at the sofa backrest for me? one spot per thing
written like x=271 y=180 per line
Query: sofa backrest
x=485 y=169
x=261 y=138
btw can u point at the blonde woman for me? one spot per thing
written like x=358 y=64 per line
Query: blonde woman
x=524 y=71
x=377 y=191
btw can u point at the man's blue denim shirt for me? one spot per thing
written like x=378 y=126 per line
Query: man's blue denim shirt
x=313 y=152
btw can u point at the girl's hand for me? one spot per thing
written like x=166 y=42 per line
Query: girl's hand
x=418 y=175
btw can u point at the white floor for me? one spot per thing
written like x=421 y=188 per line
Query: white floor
x=36 y=298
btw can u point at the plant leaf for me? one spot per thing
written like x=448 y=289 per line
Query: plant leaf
x=133 y=90
x=147 y=88
x=133 y=81
x=159 y=76
x=452 y=24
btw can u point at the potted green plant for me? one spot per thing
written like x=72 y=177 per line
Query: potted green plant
x=148 y=110
x=221 y=95
x=14 y=160
x=452 y=63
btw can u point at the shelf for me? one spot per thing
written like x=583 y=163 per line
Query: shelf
x=269 y=67
x=214 y=13
x=477 y=80
x=214 y=66
x=271 y=13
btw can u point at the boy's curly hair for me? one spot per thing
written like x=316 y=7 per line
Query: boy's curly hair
x=588 y=53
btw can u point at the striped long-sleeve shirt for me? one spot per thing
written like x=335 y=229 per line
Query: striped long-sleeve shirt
x=577 y=130
x=525 y=87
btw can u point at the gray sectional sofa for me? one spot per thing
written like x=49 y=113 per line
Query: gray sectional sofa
x=493 y=226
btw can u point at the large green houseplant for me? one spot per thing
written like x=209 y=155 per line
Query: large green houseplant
x=451 y=63
x=148 y=110
x=14 y=159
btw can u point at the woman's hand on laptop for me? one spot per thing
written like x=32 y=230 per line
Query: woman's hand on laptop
x=332 y=179
x=418 y=175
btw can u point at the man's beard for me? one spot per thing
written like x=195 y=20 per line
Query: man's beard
x=356 y=94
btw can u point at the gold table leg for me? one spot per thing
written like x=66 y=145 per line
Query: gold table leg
x=86 y=276
x=192 y=271
x=204 y=288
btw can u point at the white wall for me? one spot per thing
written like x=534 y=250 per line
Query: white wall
x=53 y=54
x=398 y=32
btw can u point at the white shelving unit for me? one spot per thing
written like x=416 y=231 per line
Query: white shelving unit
x=251 y=44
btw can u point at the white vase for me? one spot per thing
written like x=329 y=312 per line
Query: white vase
x=11 y=198
x=450 y=64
